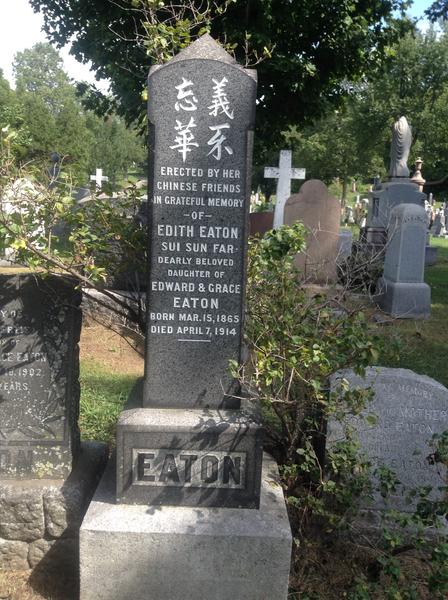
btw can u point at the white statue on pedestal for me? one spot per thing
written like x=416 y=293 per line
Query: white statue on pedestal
x=401 y=145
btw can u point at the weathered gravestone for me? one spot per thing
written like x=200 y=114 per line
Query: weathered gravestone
x=401 y=290
x=46 y=475
x=439 y=223
x=345 y=243
x=39 y=385
x=321 y=214
x=398 y=190
x=260 y=222
x=190 y=448
x=410 y=409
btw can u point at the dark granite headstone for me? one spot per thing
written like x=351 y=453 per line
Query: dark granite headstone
x=201 y=111
x=186 y=442
x=179 y=443
x=39 y=370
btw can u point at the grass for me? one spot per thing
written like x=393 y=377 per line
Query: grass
x=103 y=395
x=109 y=369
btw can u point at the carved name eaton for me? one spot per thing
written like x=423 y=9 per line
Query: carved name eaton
x=191 y=468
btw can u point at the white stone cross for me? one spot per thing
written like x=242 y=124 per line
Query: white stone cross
x=98 y=178
x=283 y=173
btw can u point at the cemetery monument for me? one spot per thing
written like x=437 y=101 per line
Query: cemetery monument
x=401 y=290
x=283 y=173
x=193 y=509
x=399 y=189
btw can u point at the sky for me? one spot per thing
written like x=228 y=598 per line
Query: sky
x=20 y=28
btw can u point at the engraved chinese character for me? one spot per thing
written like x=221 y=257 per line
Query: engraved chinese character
x=220 y=104
x=217 y=141
x=184 y=140
x=186 y=100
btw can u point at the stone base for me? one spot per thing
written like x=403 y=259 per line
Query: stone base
x=404 y=300
x=189 y=457
x=376 y=236
x=186 y=553
x=431 y=256
x=40 y=518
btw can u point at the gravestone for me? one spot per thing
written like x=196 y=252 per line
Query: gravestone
x=198 y=228
x=189 y=478
x=410 y=409
x=260 y=222
x=46 y=476
x=398 y=190
x=283 y=173
x=401 y=291
x=438 y=223
x=345 y=243
x=321 y=214
x=39 y=387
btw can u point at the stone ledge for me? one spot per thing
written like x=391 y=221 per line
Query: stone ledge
x=39 y=516
x=185 y=553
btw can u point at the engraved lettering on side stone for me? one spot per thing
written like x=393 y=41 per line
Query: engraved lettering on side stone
x=191 y=468
x=410 y=409
x=39 y=389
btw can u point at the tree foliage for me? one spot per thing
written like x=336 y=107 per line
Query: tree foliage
x=44 y=115
x=353 y=141
x=310 y=53
x=437 y=10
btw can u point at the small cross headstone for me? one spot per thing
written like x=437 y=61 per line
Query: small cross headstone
x=283 y=173
x=98 y=178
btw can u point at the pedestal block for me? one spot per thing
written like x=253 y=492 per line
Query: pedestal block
x=404 y=300
x=189 y=457
x=186 y=553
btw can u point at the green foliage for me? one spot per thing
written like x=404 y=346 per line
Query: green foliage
x=113 y=146
x=438 y=10
x=52 y=111
x=102 y=237
x=309 y=55
x=354 y=141
x=45 y=115
x=297 y=339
